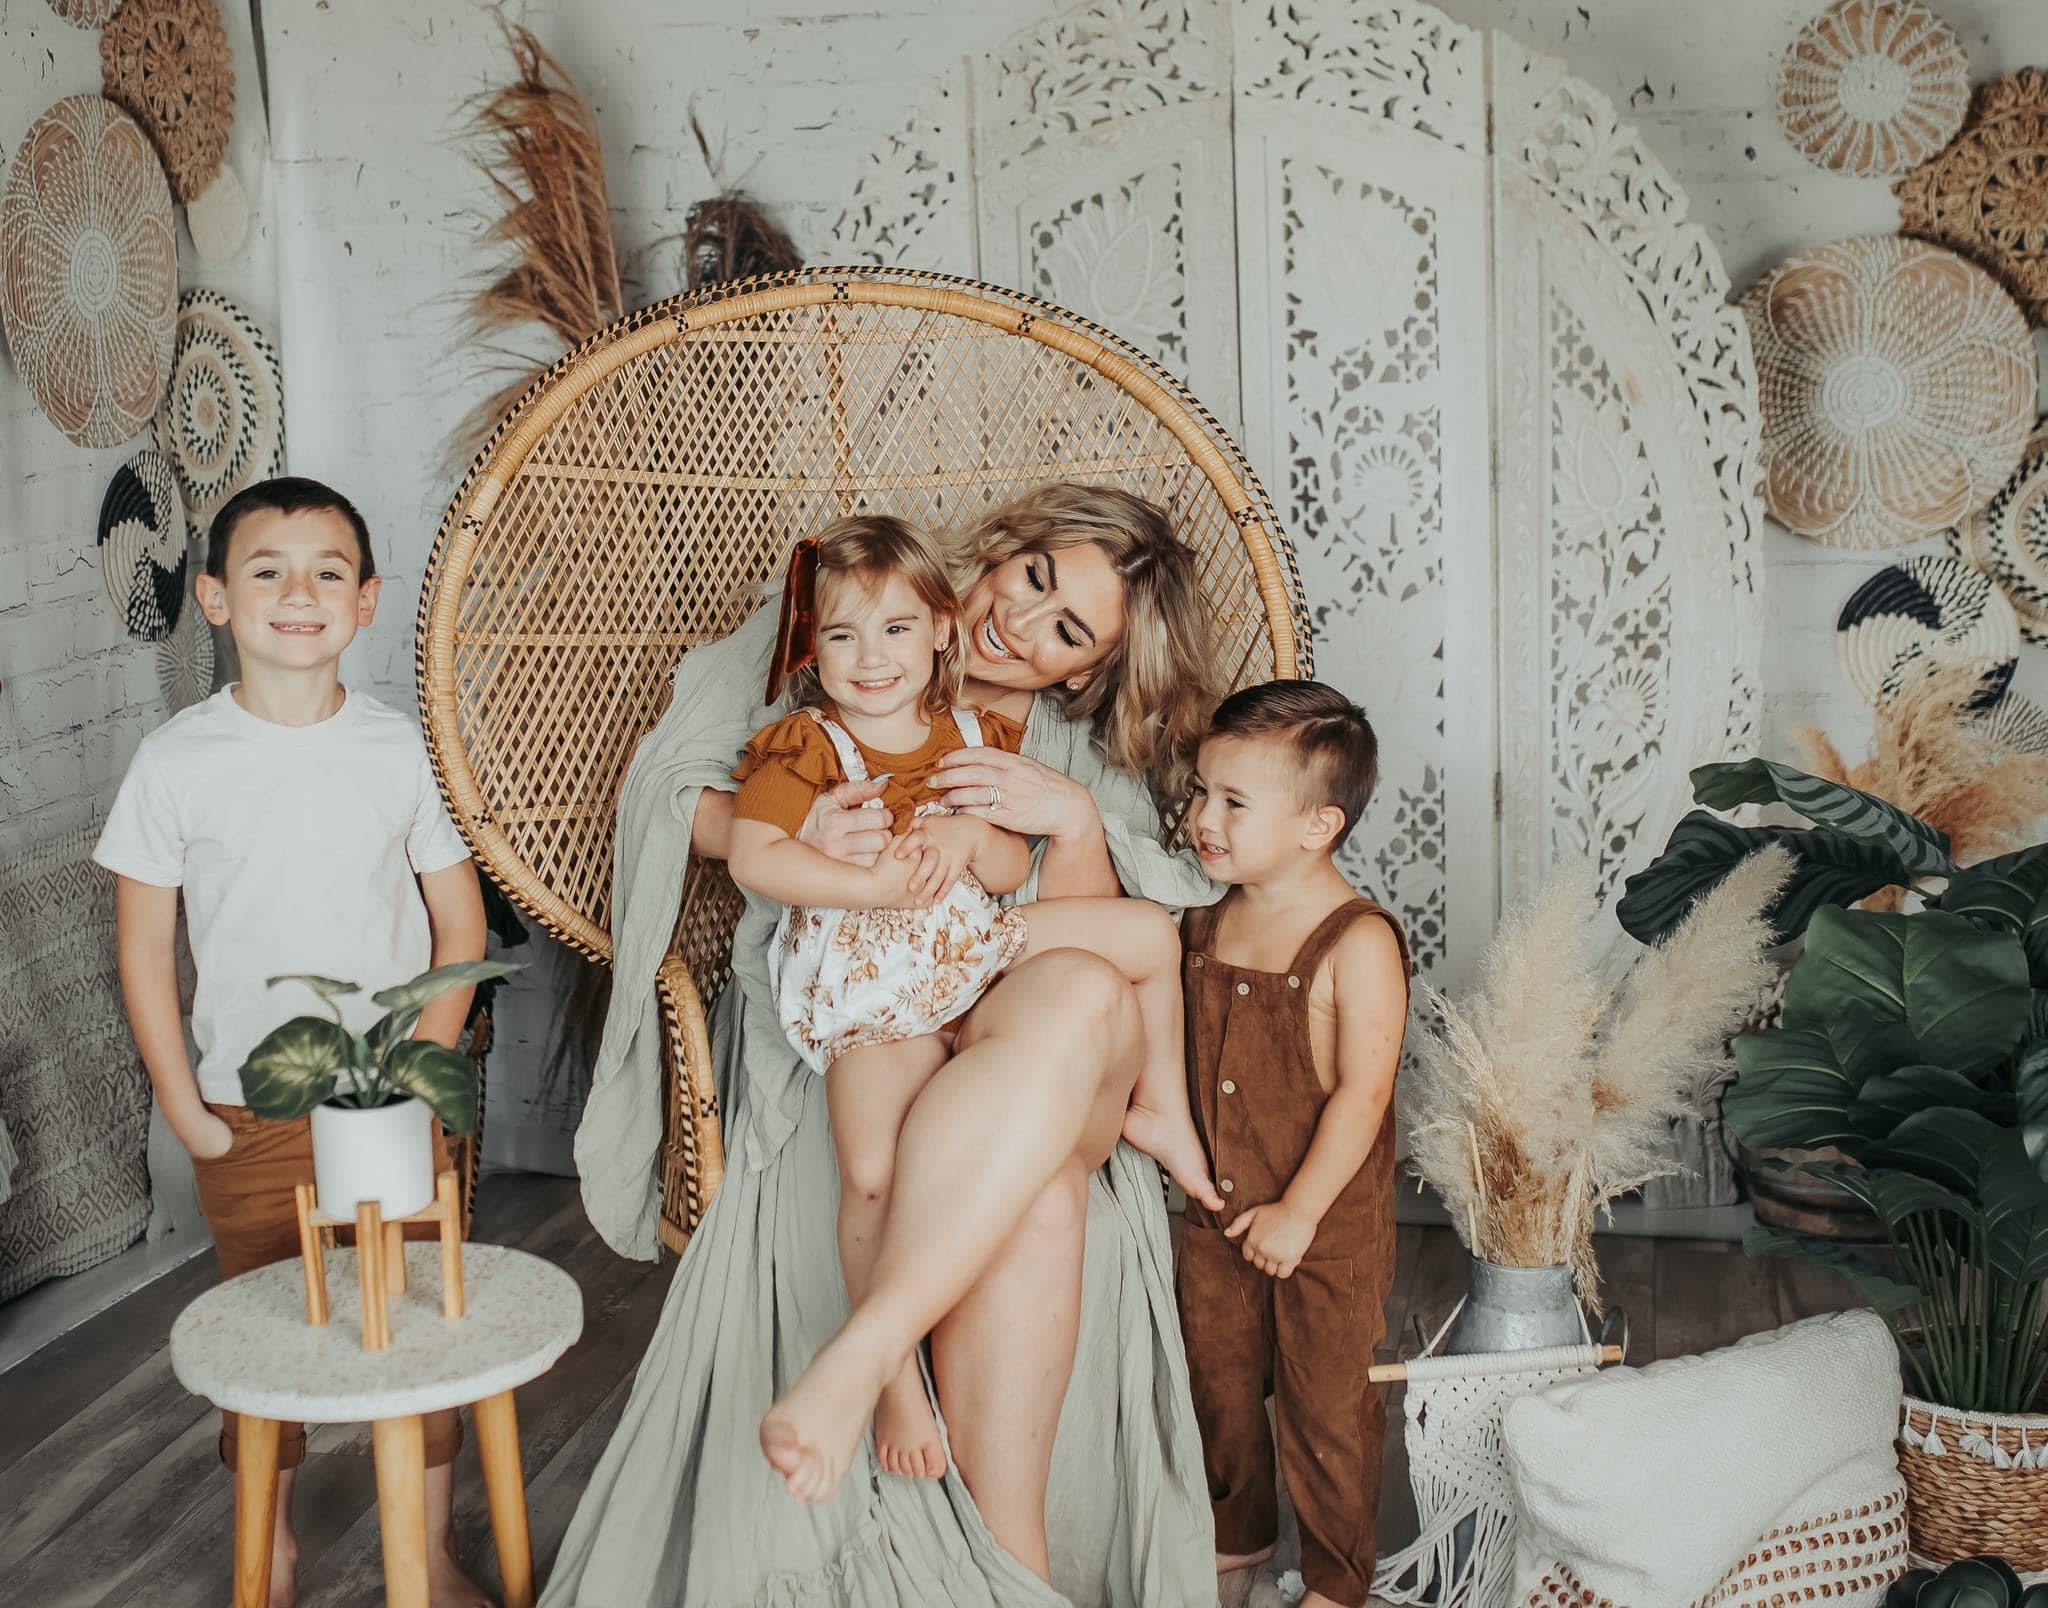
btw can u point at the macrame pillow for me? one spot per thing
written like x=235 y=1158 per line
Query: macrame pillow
x=1744 y=1476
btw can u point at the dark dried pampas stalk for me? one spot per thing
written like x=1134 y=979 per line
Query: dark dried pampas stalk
x=539 y=148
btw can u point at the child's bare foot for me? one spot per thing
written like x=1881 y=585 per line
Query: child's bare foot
x=1174 y=1144
x=810 y=1434
x=1230 y=1562
x=906 y=1433
x=447 y=1585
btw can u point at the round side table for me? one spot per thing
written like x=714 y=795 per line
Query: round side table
x=246 y=1346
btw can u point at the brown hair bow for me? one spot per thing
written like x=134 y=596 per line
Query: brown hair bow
x=796 y=631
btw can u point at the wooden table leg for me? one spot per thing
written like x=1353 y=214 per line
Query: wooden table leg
x=401 y=1453
x=497 y=1439
x=255 y=1508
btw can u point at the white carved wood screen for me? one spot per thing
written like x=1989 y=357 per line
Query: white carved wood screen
x=1455 y=314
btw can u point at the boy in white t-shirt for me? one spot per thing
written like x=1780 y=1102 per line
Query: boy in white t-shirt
x=302 y=823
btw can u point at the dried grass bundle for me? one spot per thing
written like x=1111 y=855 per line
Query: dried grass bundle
x=1549 y=1091
x=729 y=237
x=539 y=148
x=1933 y=756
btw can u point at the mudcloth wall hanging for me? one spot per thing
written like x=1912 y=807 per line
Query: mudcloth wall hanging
x=89 y=270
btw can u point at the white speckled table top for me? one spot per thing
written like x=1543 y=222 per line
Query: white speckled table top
x=247 y=1346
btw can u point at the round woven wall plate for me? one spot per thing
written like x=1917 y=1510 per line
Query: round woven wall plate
x=1931 y=612
x=169 y=63
x=89 y=270
x=85 y=13
x=222 y=423
x=1987 y=194
x=1897 y=383
x=218 y=218
x=2008 y=538
x=184 y=659
x=1873 y=86
x=2017 y=724
x=142 y=547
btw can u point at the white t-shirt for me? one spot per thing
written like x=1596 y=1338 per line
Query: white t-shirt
x=296 y=847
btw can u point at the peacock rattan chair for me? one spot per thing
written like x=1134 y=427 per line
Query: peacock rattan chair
x=629 y=505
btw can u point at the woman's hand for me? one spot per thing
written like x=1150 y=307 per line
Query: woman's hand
x=837 y=825
x=1016 y=793
x=953 y=841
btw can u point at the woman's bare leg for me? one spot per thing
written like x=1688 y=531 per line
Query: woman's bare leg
x=1026 y=1092
x=868 y=1093
x=1142 y=942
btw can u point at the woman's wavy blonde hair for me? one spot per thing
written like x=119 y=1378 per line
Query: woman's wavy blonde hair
x=1150 y=698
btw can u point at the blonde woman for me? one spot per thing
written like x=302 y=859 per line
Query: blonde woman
x=1055 y=1355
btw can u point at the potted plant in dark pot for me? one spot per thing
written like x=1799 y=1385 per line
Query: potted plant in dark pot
x=1915 y=1046
x=372 y=1095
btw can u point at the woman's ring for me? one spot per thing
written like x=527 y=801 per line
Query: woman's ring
x=995 y=796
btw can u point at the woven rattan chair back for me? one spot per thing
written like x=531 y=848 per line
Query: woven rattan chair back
x=633 y=502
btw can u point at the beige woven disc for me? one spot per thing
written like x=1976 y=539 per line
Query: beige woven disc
x=1930 y=613
x=1873 y=86
x=218 y=218
x=2008 y=538
x=1987 y=194
x=85 y=13
x=222 y=422
x=1897 y=383
x=184 y=659
x=89 y=270
x=169 y=63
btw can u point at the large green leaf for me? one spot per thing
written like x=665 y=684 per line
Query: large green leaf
x=1829 y=869
x=2008 y=894
x=1876 y=1286
x=2030 y=1091
x=1889 y=1098
x=1923 y=849
x=1892 y=1194
x=1961 y=992
x=294 y=1068
x=438 y=1076
x=1943 y=1145
x=1792 y=1094
x=431 y=985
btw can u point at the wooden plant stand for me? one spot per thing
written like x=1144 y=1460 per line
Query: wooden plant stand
x=380 y=1255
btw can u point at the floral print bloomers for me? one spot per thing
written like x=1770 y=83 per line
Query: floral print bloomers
x=844 y=979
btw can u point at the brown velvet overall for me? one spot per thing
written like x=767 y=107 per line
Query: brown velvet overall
x=1307 y=1339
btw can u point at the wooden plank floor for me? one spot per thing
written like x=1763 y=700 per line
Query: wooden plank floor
x=114 y=1496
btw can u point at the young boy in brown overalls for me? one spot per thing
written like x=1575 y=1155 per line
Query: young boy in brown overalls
x=1296 y=995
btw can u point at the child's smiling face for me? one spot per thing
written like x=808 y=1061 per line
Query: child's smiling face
x=877 y=643
x=1248 y=817
x=292 y=595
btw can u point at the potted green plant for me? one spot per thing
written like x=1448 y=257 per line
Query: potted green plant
x=1973 y=1583
x=1915 y=1045
x=372 y=1095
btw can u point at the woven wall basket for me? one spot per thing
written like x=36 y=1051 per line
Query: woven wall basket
x=185 y=658
x=1987 y=194
x=142 y=547
x=1873 y=86
x=89 y=270
x=2008 y=539
x=218 y=218
x=222 y=422
x=1929 y=613
x=168 y=62
x=1976 y=1483
x=1897 y=383
x=85 y=13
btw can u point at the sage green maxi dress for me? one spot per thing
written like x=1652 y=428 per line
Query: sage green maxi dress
x=683 y=1509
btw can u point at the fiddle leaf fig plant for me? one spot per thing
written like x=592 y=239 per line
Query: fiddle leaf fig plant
x=1914 y=1048
x=311 y=1061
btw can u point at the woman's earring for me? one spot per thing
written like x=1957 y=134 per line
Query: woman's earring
x=1077 y=683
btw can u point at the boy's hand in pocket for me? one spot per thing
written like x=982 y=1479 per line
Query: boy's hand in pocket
x=1276 y=1237
x=204 y=1136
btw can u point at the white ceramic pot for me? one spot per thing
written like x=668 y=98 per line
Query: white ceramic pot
x=385 y=1155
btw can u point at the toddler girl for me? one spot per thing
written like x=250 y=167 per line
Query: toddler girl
x=870 y=964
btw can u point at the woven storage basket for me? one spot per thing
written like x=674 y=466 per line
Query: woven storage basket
x=1960 y=1503
x=631 y=502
